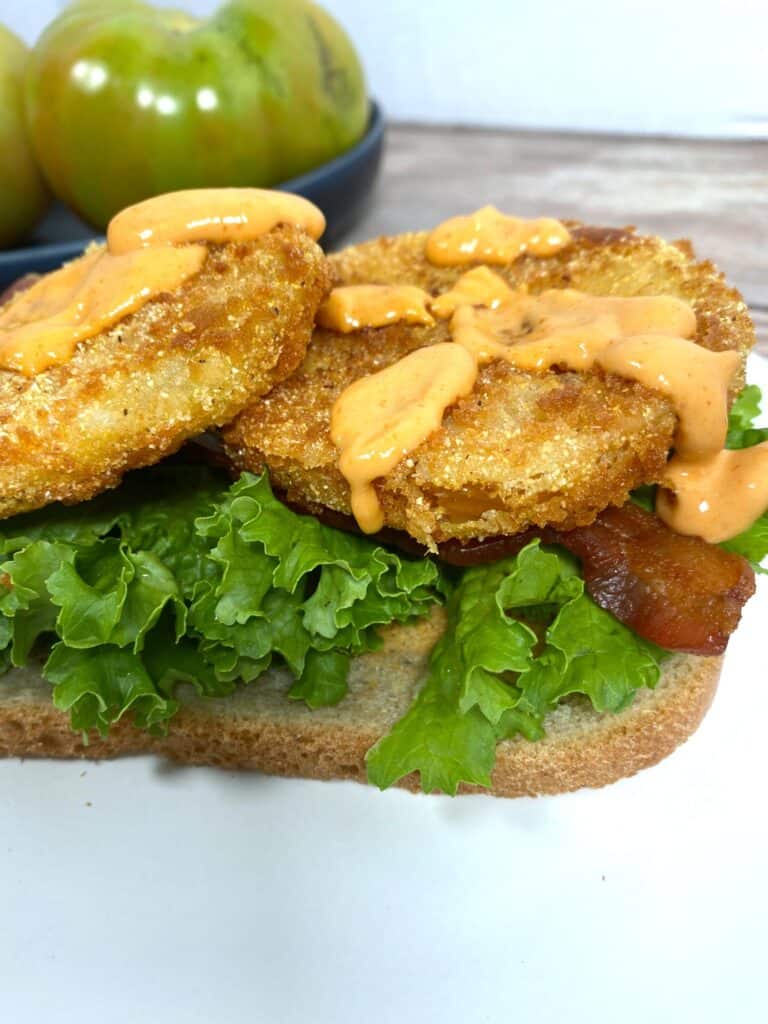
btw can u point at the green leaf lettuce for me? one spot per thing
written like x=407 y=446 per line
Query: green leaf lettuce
x=181 y=577
x=499 y=669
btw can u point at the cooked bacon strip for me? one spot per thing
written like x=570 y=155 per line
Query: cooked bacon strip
x=679 y=592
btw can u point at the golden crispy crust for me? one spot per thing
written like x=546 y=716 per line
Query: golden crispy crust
x=523 y=448
x=186 y=361
x=258 y=728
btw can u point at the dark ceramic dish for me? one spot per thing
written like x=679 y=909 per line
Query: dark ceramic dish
x=340 y=188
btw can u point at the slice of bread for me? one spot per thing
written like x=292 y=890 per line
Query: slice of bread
x=258 y=728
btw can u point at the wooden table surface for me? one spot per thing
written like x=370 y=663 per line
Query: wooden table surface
x=713 y=192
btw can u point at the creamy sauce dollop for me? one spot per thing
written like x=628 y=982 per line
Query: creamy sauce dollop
x=353 y=307
x=215 y=215
x=477 y=287
x=489 y=236
x=380 y=418
x=717 y=497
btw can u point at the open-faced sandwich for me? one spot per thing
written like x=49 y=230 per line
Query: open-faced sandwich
x=488 y=524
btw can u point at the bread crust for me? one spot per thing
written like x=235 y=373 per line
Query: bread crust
x=258 y=729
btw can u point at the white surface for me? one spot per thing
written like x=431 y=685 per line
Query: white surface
x=693 y=67
x=134 y=891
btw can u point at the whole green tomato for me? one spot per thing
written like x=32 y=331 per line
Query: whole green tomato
x=125 y=100
x=23 y=197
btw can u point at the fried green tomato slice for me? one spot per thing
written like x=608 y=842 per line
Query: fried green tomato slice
x=186 y=361
x=524 y=449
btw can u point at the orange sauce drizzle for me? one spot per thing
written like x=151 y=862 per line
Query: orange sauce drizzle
x=356 y=306
x=216 y=215
x=488 y=236
x=478 y=287
x=695 y=379
x=380 y=418
x=715 y=498
x=42 y=326
x=152 y=247
x=563 y=327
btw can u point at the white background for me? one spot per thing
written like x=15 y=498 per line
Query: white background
x=682 y=66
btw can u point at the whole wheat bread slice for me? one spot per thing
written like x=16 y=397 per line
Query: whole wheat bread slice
x=258 y=728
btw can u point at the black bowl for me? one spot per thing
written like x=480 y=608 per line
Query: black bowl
x=341 y=188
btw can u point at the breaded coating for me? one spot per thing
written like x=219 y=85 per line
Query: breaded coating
x=186 y=361
x=524 y=448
